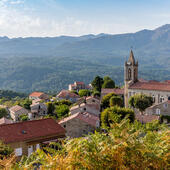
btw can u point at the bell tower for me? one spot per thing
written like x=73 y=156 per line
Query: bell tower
x=130 y=74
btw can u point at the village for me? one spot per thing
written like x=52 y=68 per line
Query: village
x=79 y=110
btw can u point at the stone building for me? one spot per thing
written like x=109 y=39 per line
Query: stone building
x=26 y=137
x=16 y=111
x=84 y=107
x=80 y=124
x=78 y=85
x=160 y=91
x=38 y=96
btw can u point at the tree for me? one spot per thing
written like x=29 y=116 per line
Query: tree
x=50 y=108
x=23 y=117
x=84 y=92
x=61 y=111
x=3 y=112
x=26 y=103
x=66 y=102
x=96 y=93
x=116 y=101
x=106 y=100
x=5 y=151
x=115 y=114
x=108 y=83
x=141 y=102
x=97 y=83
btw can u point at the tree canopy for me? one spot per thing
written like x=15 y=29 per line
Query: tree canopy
x=84 y=92
x=3 y=112
x=116 y=101
x=115 y=114
x=108 y=82
x=141 y=102
x=97 y=83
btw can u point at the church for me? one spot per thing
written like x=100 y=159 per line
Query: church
x=160 y=91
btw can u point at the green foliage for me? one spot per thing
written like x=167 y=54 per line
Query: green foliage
x=97 y=83
x=62 y=111
x=26 y=103
x=106 y=100
x=23 y=117
x=125 y=146
x=11 y=94
x=108 y=82
x=96 y=93
x=66 y=102
x=84 y=92
x=140 y=101
x=3 y=112
x=5 y=150
x=115 y=114
x=50 y=108
x=116 y=101
x=74 y=91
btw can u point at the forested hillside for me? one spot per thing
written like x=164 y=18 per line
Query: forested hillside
x=50 y=64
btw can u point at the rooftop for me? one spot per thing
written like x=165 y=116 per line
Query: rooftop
x=30 y=130
x=151 y=85
x=116 y=91
x=67 y=93
x=36 y=94
x=5 y=121
x=16 y=108
x=85 y=117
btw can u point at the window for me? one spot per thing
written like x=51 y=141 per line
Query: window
x=18 y=152
x=165 y=105
x=84 y=109
x=161 y=99
x=129 y=74
x=30 y=150
x=158 y=111
x=64 y=126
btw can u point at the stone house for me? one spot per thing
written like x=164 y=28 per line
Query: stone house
x=38 y=109
x=67 y=95
x=26 y=137
x=16 y=111
x=4 y=120
x=38 y=95
x=79 y=86
x=80 y=124
x=160 y=109
x=84 y=107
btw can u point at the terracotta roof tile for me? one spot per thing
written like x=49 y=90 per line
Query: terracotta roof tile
x=32 y=129
x=85 y=117
x=79 y=82
x=5 y=121
x=36 y=94
x=151 y=85
x=116 y=91
x=16 y=108
x=67 y=93
x=146 y=118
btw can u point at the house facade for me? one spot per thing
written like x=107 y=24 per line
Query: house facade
x=38 y=96
x=67 y=95
x=38 y=109
x=78 y=85
x=16 y=111
x=26 y=137
x=84 y=107
x=80 y=124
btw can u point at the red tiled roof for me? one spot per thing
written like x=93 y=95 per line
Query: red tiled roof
x=85 y=117
x=16 y=108
x=151 y=85
x=36 y=94
x=67 y=93
x=146 y=118
x=116 y=91
x=30 y=130
x=79 y=82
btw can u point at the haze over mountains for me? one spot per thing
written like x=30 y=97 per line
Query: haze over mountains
x=28 y=64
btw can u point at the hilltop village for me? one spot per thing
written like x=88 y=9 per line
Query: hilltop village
x=41 y=119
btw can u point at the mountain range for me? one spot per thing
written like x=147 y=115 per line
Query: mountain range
x=51 y=63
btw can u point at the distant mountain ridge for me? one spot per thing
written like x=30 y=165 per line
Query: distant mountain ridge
x=57 y=58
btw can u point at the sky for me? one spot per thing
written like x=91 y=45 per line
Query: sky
x=49 y=18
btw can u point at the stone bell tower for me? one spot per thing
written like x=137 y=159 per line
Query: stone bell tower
x=130 y=75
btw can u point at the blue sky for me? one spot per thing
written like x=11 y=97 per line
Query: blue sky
x=24 y=18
